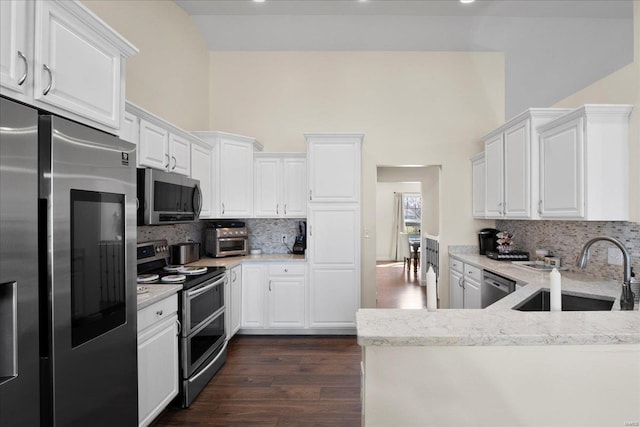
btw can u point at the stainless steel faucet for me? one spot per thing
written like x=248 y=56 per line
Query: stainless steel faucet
x=626 y=299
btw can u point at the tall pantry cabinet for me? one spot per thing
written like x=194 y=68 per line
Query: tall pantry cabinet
x=333 y=247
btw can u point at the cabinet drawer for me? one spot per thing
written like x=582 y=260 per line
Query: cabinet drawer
x=293 y=269
x=473 y=272
x=157 y=312
x=456 y=265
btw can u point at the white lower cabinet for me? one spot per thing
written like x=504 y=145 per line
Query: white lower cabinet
x=334 y=297
x=465 y=285
x=158 y=365
x=233 y=301
x=273 y=296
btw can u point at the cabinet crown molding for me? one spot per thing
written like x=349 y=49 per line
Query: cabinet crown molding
x=143 y=114
x=477 y=156
x=528 y=113
x=621 y=111
x=89 y=18
x=270 y=154
x=214 y=136
x=329 y=136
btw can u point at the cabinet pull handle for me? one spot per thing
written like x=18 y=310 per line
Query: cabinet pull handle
x=159 y=312
x=310 y=230
x=504 y=208
x=277 y=209
x=540 y=207
x=48 y=88
x=269 y=285
x=286 y=270
x=179 y=326
x=223 y=208
x=460 y=283
x=285 y=208
x=234 y=276
x=310 y=194
x=26 y=68
x=168 y=161
x=175 y=162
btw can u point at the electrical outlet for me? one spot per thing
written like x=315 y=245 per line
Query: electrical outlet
x=614 y=256
x=284 y=238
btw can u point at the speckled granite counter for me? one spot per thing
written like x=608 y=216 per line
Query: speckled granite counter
x=235 y=260
x=498 y=324
x=156 y=293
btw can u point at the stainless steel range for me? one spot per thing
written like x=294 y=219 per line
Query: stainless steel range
x=203 y=347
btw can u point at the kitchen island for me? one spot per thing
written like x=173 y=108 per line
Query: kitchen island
x=503 y=367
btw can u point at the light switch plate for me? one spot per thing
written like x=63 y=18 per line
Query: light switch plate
x=614 y=256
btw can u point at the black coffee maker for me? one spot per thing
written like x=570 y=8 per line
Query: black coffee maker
x=300 y=244
x=487 y=240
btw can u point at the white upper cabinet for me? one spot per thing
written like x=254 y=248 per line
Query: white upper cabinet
x=153 y=147
x=511 y=165
x=334 y=167
x=584 y=164
x=130 y=128
x=203 y=167
x=180 y=155
x=478 y=185
x=59 y=56
x=280 y=185
x=232 y=191
x=16 y=60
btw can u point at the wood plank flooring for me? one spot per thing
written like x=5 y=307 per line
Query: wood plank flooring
x=398 y=287
x=279 y=381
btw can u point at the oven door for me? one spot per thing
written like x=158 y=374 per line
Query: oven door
x=201 y=304
x=201 y=344
x=228 y=246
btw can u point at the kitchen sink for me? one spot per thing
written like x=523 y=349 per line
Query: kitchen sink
x=540 y=301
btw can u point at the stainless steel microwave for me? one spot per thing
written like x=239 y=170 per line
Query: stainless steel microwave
x=167 y=198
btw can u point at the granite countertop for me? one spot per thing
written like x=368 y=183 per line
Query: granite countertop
x=498 y=324
x=232 y=261
x=156 y=293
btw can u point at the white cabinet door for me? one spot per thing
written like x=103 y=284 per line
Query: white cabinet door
x=202 y=169
x=180 y=154
x=235 y=299
x=456 y=292
x=157 y=369
x=130 y=129
x=494 y=177
x=153 y=148
x=16 y=66
x=334 y=170
x=253 y=302
x=76 y=69
x=236 y=179
x=517 y=171
x=472 y=297
x=294 y=187
x=267 y=187
x=333 y=235
x=561 y=171
x=478 y=184
x=334 y=297
x=286 y=302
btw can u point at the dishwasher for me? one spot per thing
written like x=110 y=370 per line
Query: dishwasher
x=495 y=287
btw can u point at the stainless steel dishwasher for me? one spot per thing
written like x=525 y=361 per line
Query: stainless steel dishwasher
x=495 y=287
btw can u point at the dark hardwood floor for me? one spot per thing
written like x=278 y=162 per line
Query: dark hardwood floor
x=279 y=381
x=398 y=287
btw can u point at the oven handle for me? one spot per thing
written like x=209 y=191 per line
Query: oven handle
x=228 y=239
x=195 y=377
x=205 y=288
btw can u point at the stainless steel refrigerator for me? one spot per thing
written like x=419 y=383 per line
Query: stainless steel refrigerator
x=67 y=273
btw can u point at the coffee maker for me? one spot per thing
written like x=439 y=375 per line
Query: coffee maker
x=487 y=240
x=300 y=244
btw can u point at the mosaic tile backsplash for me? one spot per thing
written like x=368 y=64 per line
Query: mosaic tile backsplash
x=265 y=234
x=566 y=238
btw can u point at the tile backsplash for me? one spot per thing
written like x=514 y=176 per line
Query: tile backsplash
x=566 y=238
x=265 y=234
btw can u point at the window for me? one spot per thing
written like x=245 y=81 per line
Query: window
x=412 y=203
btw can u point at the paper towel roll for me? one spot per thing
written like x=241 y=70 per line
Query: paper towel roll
x=556 y=291
x=432 y=294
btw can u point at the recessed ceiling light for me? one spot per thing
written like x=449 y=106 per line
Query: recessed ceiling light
x=467 y=1
x=259 y=1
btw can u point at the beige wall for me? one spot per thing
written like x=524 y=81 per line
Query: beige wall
x=425 y=108
x=170 y=75
x=621 y=87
